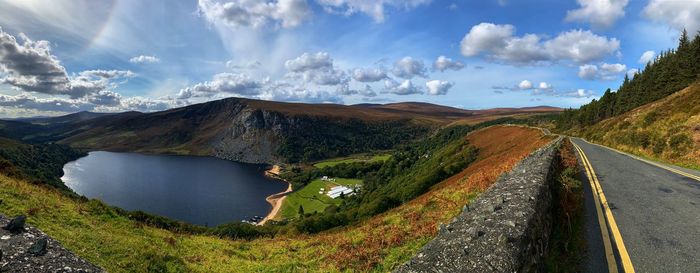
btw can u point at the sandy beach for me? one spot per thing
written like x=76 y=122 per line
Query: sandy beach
x=276 y=199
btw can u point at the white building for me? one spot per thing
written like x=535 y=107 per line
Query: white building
x=335 y=192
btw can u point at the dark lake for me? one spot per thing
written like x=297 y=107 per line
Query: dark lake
x=197 y=190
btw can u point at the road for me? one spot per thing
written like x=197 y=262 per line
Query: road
x=648 y=214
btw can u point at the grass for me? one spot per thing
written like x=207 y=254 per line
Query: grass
x=667 y=130
x=379 y=244
x=351 y=159
x=567 y=245
x=309 y=198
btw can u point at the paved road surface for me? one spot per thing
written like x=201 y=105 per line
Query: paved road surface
x=655 y=211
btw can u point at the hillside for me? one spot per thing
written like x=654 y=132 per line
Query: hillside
x=252 y=131
x=104 y=236
x=667 y=129
x=665 y=75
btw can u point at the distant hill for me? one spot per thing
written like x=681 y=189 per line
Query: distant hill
x=667 y=129
x=70 y=118
x=253 y=131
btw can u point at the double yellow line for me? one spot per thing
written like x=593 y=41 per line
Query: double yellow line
x=603 y=210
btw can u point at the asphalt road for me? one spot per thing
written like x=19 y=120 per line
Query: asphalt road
x=656 y=211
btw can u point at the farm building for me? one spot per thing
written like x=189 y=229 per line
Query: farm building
x=335 y=192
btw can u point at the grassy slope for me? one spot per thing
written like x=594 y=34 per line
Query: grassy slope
x=351 y=159
x=377 y=244
x=310 y=199
x=666 y=130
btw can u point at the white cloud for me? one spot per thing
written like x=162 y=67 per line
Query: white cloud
x=632 y=72
x=404 y=88
x=143 y=59
x=316 y=68
x=606 y=71
x=407 y=68
x=677 y=14
x=249 y=65
x=308 y=61
x=443 y=63
x=580 y=93
x=30 y=66
x=369 y=75
x=255 y=13
x=438 y=87
x=374 y=8
x=231 y=83
x=647 y=57
x=525 y=85
x=497 y=42
x=544 y=86
x=600 y=13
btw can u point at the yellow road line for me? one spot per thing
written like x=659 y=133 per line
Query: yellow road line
x=607 y=245
x=622 y=250
x=691 y=176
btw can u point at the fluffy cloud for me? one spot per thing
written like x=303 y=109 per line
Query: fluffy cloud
x=438 y=87
x=255 y=13
x=375 y=8
x=404 y=88
x=544 y=86
x=677 y=14
x=600 y=13
x=580 y=93
x=647 y=57
x=316 y=68
x=632 y=72
x=231 y=83
x=525 y=85
x=604 y=72
x=369 y=75
x=309 y=61
x=498 y=43
x=443 y=63
x=30 y=66
x=408 y=68
x=143 y=59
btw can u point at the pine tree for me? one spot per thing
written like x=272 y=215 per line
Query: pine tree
x=301 y=211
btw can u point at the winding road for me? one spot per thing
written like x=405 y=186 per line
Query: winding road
x=641 y=216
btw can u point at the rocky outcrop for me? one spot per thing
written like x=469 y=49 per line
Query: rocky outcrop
x=24 y=248
x=505 y=230
x=252 y=137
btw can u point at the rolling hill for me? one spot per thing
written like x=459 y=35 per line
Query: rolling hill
x=253 y=131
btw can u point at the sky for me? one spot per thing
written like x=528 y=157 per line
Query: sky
x=65 y=56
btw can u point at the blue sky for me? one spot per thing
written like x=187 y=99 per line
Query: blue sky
x=68 y=56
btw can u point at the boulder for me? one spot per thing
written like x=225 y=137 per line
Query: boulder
x=39 y=247
x=16 y=225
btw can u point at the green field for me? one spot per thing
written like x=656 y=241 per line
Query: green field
x=351 y=159
x=311 y=200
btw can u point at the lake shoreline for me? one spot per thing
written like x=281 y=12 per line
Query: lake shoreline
x=276 y=199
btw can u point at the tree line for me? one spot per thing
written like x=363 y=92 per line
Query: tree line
x=668 y=73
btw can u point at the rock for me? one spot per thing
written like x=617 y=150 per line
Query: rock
x=16 y=225
x=39 y=248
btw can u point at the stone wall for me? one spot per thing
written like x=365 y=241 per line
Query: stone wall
x=505 y=230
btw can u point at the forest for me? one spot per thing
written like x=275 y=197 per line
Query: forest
x=668 y=73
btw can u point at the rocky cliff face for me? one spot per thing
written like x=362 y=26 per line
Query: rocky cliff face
x=252 y=136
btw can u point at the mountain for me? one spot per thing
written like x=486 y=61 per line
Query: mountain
x=70 y=118
x=667 y=129
x=252 y=131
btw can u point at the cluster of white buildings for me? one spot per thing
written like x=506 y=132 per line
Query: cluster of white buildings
x=337 y=191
